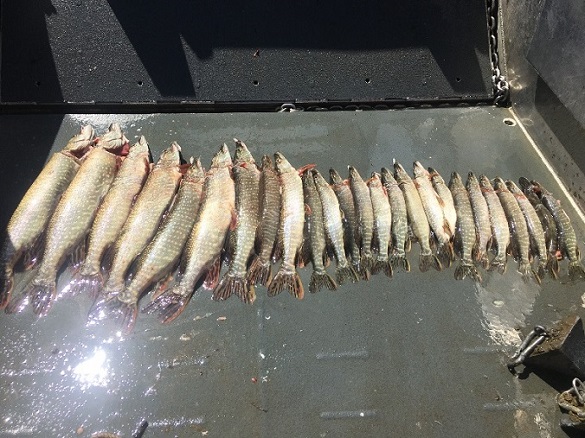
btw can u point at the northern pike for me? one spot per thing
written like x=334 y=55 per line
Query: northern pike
x=145 y=216
x=292 y=219
x=317 y=244
x=481 y=216
x=333 y=223
x=346 y=202
x=364 y=213
x=25 y=231
x=548 y=224
x=499 y=224
x=73 y=217
x=417 y=219
x=247 y=185
x=382 y=224
x=567 y=239
x=203 y=250
x=260 y=271
x=446 y=198
x=520 y=242
x=434 y=210
x=399 y=230
x=111 y=217
x=161 y=256
x=535 y=230
x=465 y=235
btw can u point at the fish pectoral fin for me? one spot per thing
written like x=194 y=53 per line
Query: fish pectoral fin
x=212 y=275
x=303 y=255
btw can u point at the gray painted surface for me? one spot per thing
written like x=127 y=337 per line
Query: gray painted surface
x=416 y=355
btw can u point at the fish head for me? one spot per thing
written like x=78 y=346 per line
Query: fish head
x=400 y=174
x=455 y=182
x=538 y=188
x=318 y=178
x=418 y=170
x=267 y=162
x=282 y=164
x=195 y=172
x=114 y=140
x=500 y=185
x=525 y=184
x=139 y=148
x=485 y=183
x=221 y=158
x=513 y=187
x=472 y=180
x=334 y=177
x=354 y=174
x=171 y=156
x=79 y=144
x=387 y=177
x=375 y=180
x=242 y=154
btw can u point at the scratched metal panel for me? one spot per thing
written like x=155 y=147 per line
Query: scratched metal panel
x=420 y=354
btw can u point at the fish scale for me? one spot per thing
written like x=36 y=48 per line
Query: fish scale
x=31 y=217
x=399 y=228
x=364 y=221
x=247 y=186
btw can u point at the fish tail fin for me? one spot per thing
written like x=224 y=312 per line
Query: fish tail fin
x=260 y=272
x=480 y=256
x=345 y=273
x=499 y=264
x=400 y=261
x=87 y=284
x=366 y=265
x=543 y=267
x=289 y=280
x=467 y=270
x=234 y=285
x=576 y=270
x=6 y=285
x=170 y=304
x=446 y=254
x=19 y=302
x=320 y=280
x=426 y=261
x=384 y=266
x=527 y=272
x=111 y=307
x=552 y=266
x=42 y=296
x=212 y=276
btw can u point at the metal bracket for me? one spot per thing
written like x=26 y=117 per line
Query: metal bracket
x=533 y=340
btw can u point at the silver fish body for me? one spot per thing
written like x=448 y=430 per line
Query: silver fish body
x=399 y=229
x=382 y=224
x=481 y=216
x=446 y=197
x=499 y=224
x=364 y=220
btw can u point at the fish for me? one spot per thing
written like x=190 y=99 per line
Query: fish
x=399 y=230
x=345 y=197
x=520 y=240
x=161 y=256
x=364 y=220
x=535 y=230
x=382 y=224
x=247 y=185
x=260 y=270
x=292 y=219
x=548 y=224
x=447 y=199
x=317 y=244
x=333 y=223
x=433 y=207
x=25 y=230
x=481 y=216
x=111 y=216
x=465 y=235
x=417 y=219
x=152 y=203
x=499 y=223
x=567 y=239
x=217 y=215
x=72 y=219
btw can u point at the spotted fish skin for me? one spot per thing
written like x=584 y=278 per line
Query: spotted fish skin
x=417 y=219
x=481 y=216
x=535 y=230
x=346 y=202
x=364 y=220
x=446 y=197
x=465 y=235
x=382 y=224
x=247 y=186
x=399 y=229
x=499 y=224
x=518 y=229
x=203 y=249
x=260 y=271
x=73 y=217
x=145 y=216
x=292 y=219
x=31 y=217
x=111 y=216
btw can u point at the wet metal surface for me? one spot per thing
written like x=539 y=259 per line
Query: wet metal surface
x=421 y=354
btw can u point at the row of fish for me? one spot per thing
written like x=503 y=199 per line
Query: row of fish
x=128 y=224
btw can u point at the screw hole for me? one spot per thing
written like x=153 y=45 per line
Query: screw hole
x=458 y=79
x=255 y=82
x=367 y=80
x=140 y=83
x=38 y=83
x=510 y=122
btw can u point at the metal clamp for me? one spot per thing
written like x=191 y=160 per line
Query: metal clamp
x=533 y=340
x=573 y=399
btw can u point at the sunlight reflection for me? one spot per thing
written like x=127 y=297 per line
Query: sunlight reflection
x=93 y=371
